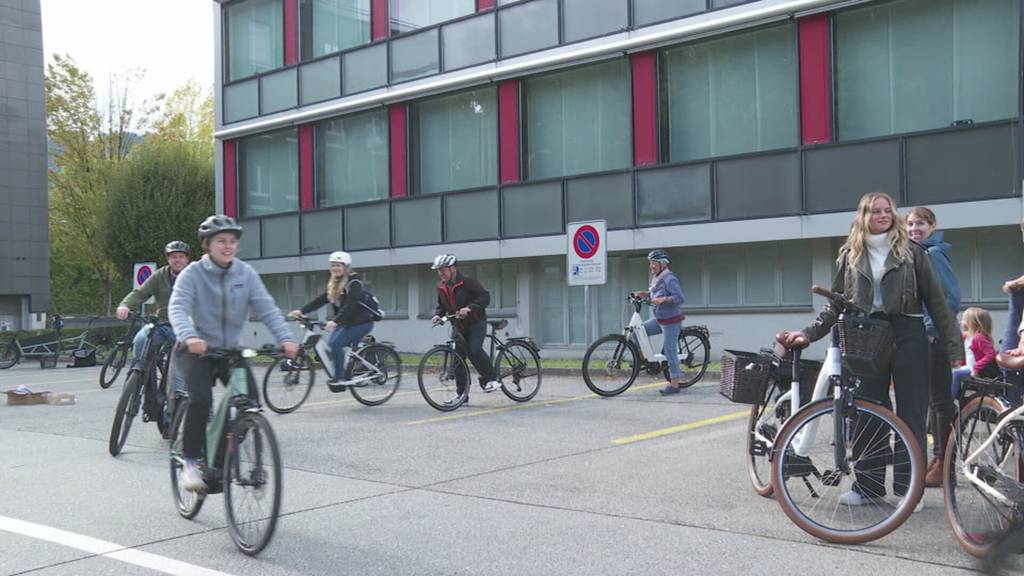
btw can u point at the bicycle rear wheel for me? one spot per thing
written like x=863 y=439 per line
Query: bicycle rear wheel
x=694 y=356
x=610 y=365
x=883 y=465
x=762 y=430
x=9 y=353
x=186 y=502
x=437 y=376
x=112 y=366
x=517 y=367
x=252 y=483
x=979 y=521
x=288 y=382
x=127 y=408
x=385 y=367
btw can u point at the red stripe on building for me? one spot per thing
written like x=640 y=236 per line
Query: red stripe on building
x=645 y=109
x=379 y=19
x=291 y=32
x=482 y=5
x=398 y=150
x=230 y=181
x=815 y=80
x=508 y=131
x=306 y=167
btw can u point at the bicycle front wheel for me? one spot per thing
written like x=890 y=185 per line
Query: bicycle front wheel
x=127 y=408
x=518 y=369
x=382 y=372
x=869 y=494
x=694 y=356
x=610 y=365
x=9 y=353
x=288 y=382
x=112 y=365
x=438 y=375
x=186 y=502
x=252 y=483
x=980 y=521
x=762 y=430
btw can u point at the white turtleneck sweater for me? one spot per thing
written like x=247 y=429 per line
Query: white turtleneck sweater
x=878 y=251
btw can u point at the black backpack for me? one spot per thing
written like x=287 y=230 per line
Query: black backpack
x=370 y=303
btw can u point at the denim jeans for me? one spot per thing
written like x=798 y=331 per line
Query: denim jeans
x=671 y=345
x=164 y=333
x=341 y=337
x=1011 y=339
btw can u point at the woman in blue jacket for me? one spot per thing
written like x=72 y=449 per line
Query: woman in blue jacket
x=666 y=295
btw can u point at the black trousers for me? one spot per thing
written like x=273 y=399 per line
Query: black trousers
x=201 y=375
x=471 y=346
x=908 y=371
x=942 y=412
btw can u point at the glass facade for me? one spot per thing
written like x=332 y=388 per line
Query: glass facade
x=919 y=64
x=578 y=121
x=268 y=170
x=455 y=141
x=255 y=37
x=731 y=95
x=333 y=25
x=408 y=15
x=352 y=159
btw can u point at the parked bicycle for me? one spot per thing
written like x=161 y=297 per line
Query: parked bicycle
x=145 y=387
x=613 y=362
x=47 y=346
x=118 y=355
x=373 y=371
x=242 y=458
x=516 y=366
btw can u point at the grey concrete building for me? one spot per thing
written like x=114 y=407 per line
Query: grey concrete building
x=24 y=234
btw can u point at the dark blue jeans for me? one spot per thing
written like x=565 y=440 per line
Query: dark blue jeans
x=341 y=337
x=1011 y=339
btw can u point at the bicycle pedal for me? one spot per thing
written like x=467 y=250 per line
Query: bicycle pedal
x=831 y=478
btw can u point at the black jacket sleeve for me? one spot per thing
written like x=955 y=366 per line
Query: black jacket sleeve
x=824 y=322
x=315 y=304
x=479 y=298
x=439 y=310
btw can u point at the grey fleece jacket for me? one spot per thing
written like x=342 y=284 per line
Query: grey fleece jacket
x=213 y=303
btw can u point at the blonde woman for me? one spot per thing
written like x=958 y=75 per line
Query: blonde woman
x=881 y=270
x=351 y=321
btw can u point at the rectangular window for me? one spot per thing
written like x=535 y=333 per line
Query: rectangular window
x=455 y=141
x=268 y=168
x=408 y=15
x=333 y=25
x=255 y=37
x=920 y=64
x=983 y=259
x=764 y=274
x=731 y=95
x=578 y=121
x=352 y=159
x=390 y=287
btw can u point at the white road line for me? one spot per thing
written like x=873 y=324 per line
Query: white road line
x=105 y=549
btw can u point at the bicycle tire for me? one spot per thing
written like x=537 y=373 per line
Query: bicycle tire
x=515 y=364
x=186 y=502
x=252 y=431
x=127 y=408
x=10 y=353
x=383 y=387
x=767 y=419
x=978 y=522
x=290 y=392
x=112 y=366
x=694 y=353
x=607 y=370
x=787 y=465
x=444 y=396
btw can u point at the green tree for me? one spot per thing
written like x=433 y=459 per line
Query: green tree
x=186 y=115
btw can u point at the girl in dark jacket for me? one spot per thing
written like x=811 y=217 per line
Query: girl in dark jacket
x=351 y=321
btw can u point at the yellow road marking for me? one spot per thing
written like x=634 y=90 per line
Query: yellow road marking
x=681 y=428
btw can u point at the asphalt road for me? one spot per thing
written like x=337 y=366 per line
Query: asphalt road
x=567 y=483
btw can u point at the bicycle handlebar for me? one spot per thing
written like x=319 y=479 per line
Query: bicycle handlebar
x=234 y=353
x=838 y=299
x=448 y=318
x=306 y=322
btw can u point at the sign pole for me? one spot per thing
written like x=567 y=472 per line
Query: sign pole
x=586 y=314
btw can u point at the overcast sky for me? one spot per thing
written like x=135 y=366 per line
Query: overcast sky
x=172 y=40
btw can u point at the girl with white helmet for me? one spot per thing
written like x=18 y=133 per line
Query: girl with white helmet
x=349 y=321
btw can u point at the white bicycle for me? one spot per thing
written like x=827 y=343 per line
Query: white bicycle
x=613 y=362
x=372 y=371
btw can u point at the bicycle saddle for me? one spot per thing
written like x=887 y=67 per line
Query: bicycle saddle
x=498 y=324
x=1008 y=362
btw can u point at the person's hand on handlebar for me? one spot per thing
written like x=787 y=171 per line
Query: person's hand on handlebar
x=463 y=312
x=122 y=312
x=435 y=320
x=291 y=349
x=792 y=339
x=196 y=345
x=295 y=314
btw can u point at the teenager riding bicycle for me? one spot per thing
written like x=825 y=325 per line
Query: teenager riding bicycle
x=666 y=294
x=351 y=321
x=209 y=306
x=465 y=296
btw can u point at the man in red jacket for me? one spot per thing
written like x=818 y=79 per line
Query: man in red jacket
x=458 y=294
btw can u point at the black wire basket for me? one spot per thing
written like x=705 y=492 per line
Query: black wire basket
x=745 y=376
x=866 y=345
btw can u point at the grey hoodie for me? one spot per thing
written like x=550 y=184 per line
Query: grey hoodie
x=213 y=303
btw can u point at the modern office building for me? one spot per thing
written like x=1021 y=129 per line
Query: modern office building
x=24 y=232
x=737 y=135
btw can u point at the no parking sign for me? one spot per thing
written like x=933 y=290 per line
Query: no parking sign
x=587 y=253
x=140 y=273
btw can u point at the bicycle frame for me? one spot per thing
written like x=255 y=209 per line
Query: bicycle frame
x=237 y=386
x=314 y=339
x=970 y=469
x=635 y=330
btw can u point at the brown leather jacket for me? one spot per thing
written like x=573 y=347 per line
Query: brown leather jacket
x=907 y=286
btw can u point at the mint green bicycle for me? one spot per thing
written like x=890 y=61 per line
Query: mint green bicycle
x=242 y=457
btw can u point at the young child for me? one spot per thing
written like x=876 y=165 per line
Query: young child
x=981 y=352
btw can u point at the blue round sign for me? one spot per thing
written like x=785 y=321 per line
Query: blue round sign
x=586 y=241
x=143 y=273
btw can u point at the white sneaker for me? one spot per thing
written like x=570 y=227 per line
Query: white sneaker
x=491 y=386
x=854 y=498
x=191 y=478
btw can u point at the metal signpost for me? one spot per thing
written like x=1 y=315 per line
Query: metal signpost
x=586 y=261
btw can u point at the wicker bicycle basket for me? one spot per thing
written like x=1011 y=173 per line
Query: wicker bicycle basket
x=745 y=376
x=866 y=344
x=809 y=370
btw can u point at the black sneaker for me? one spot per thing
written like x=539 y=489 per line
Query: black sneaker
x=333 y=386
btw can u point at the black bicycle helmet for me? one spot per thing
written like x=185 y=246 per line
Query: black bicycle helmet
x=659 y=256
x=176 y=246
x=218 y=223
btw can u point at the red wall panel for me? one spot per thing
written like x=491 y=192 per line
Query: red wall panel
x=230 y=180
x=645 y=108
x=815 y=80
x=398 y=151
x=291 y=32
x=306 y=201
x=508 y=131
